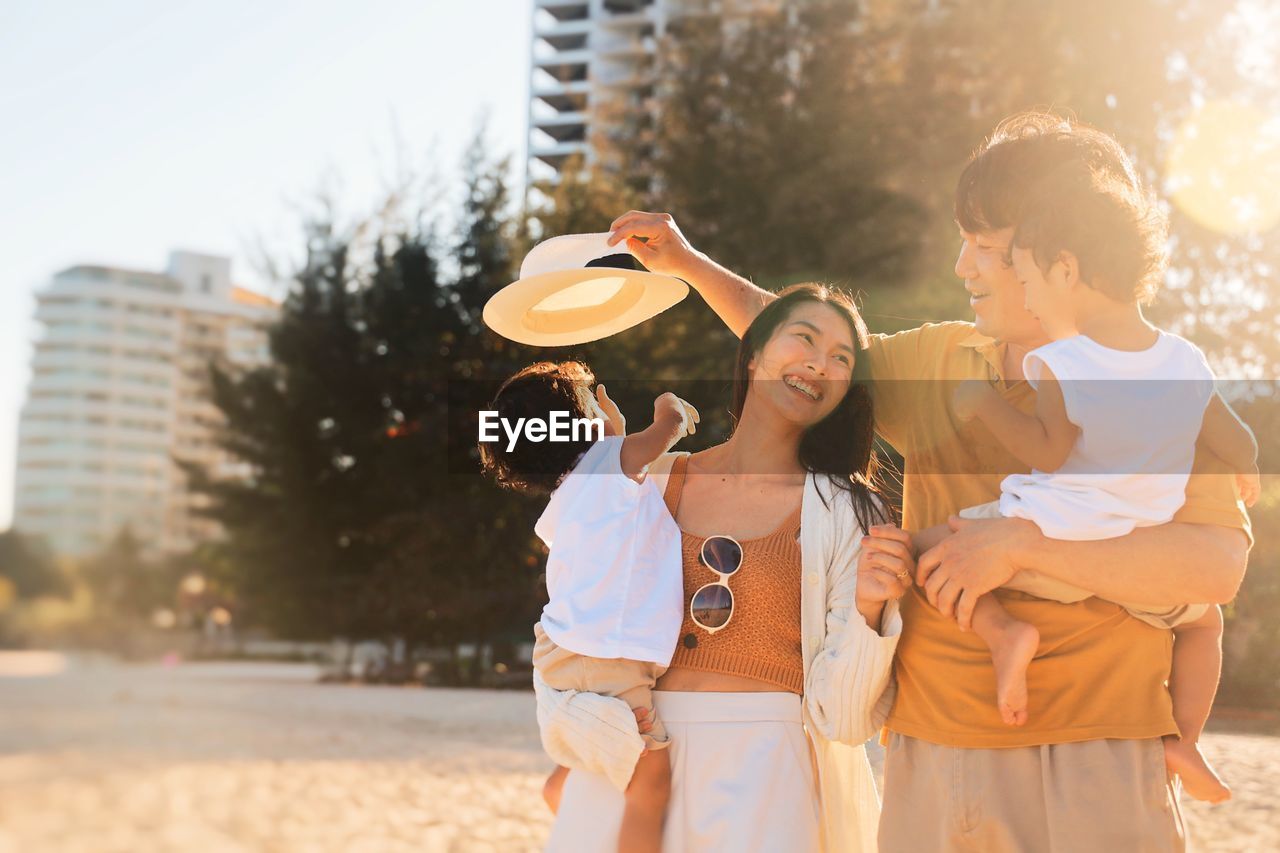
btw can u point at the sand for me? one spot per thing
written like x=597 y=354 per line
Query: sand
x=249 y=757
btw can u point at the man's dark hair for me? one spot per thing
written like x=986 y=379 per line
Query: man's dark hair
x=536 y=468
x=1019 y=153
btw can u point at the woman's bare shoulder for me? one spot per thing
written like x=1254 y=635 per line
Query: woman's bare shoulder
x=660 y=469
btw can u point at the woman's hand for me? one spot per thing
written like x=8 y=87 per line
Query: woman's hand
x=885 y=565
x=663 y=249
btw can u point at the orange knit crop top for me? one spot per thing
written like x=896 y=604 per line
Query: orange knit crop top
x=762 y=639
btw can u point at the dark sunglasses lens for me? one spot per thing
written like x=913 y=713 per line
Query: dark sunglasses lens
x=722 y=554
x=712 y=605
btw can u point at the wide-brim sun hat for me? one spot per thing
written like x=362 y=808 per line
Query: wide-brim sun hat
x=577 y=288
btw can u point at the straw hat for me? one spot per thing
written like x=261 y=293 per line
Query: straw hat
x=577 y=288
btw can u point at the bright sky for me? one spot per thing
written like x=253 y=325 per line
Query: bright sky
x=133 y=127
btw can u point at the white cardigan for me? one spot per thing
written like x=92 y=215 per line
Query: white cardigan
x=847 y=677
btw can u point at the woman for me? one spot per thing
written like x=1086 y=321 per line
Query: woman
x=790 y=626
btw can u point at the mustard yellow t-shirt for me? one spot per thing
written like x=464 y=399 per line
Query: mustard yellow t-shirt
x=1099 y=673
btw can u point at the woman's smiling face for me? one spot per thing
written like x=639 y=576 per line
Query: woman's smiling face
x=805 y=368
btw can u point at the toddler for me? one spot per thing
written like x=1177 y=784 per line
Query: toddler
x=614 y=569
x=1119 y=407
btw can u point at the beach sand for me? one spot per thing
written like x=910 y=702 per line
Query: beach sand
x=259 y=757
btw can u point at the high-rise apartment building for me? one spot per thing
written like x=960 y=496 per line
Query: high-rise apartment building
x=119 y=395
x=593 y=55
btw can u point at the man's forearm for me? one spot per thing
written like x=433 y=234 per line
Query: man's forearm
x=1174 y=563
x=734 y=299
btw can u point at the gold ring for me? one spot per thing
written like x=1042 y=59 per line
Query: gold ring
x=904 y=575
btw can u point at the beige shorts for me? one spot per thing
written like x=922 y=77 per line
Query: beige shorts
x=1042 y=586
x=1086 y=796
x=631 y=681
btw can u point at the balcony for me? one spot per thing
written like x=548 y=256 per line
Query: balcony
x=565 y=10
x=567 y=67
x=566 y=127
x=565 y=35
x=557 y=155
x=563 y=97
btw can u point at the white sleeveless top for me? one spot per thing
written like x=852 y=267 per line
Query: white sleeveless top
x=614 y=575
x=1139 y=415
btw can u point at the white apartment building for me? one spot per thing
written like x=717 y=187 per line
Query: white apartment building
x=119 y=394
x=589 y=55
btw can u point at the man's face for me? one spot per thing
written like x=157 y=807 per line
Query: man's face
x=996 y=296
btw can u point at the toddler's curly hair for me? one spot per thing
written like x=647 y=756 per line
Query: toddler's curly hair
x=535 y=392
x=1116 y=230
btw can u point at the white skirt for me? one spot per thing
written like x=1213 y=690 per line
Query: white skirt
x=742 y=779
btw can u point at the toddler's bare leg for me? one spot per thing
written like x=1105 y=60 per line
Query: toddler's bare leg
x=1013 y=644
x=650 y=788
x=1193 y=682
x=647 y=797
x=554 y=787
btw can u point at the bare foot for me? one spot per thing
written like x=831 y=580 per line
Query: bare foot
x=1012 y=654
x=1183 y=758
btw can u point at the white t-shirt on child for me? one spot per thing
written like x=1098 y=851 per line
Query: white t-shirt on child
x=614 y=573
x=1139 y=415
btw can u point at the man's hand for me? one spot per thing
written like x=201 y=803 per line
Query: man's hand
x=969 y=397
x=978 y=557
x=663 y=249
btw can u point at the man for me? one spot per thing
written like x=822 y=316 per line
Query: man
x=1087 y=770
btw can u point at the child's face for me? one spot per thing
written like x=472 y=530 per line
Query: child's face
x=1048 y=294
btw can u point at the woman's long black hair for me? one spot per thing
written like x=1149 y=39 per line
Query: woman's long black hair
x=841 y=445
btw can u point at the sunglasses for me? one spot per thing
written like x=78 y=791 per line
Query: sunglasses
x=712 y=606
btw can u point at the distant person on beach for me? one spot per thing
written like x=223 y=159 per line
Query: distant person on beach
x=1088 y=769
x=782 y=669
x=613 y=571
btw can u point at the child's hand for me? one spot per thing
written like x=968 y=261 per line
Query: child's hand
x=670 y=409
x=644 y=722
x=1250 y=486
x=617 y=424
x=969 y=397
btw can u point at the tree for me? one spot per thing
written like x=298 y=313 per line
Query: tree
x=365 y=516
x=1140 y=70
x=767 y=148
x=303 y=423
x=125 y=585
x=29 y=568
